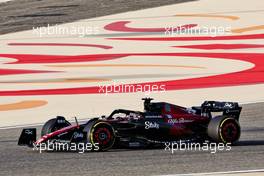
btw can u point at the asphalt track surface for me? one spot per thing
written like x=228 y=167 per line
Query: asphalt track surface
x=21 y=15
x=247 y=155
x=15 y=160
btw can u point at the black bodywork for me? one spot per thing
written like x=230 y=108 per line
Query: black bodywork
x=160 y=122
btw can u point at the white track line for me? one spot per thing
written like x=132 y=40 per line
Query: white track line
x=218 y=173
x=4 y=1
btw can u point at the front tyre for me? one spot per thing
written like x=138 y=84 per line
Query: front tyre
x=102 y=135
x=224 y=129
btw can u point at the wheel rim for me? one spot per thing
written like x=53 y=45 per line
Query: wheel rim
x=103 y=135
x=230 y=131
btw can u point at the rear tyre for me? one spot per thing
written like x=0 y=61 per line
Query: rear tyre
x=224 y=129
x=102 y=135
x=53 y=125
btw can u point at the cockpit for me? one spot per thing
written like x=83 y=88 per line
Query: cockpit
x=122 y=114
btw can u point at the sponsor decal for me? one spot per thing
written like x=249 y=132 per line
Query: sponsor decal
x=77 y=135
x=134 y=144
x=191 y=111
x=229 y=105
x=28 y=132
x=231 y=111
x=180 y=120
x=153 y=125
x=168 y=116
x=153 y=116
x=59 y=135
x=61 y=121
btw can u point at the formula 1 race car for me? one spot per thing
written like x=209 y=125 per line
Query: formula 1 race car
x=160 y=122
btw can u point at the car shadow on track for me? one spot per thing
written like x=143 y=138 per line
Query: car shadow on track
x=250 y=142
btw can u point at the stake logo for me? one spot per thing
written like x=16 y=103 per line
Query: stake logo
x=153 y=125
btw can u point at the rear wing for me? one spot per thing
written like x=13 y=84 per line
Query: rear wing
x=231 y=109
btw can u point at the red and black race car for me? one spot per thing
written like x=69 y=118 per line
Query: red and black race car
x=160 y=122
